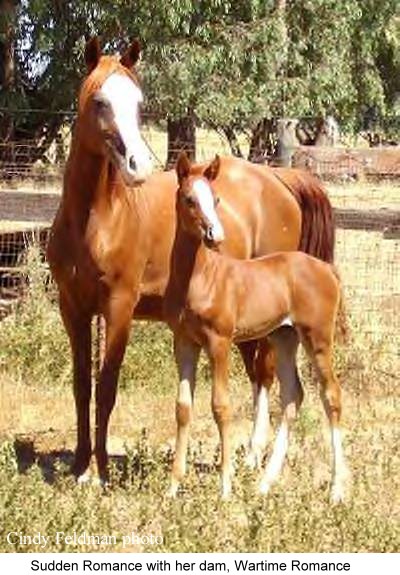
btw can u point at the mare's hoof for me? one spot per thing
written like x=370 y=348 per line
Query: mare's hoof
x=84 y=478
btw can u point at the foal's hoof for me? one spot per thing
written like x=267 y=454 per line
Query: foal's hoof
x=264 y=487
x=337 y=495
x=253 y=460
x=172 y=491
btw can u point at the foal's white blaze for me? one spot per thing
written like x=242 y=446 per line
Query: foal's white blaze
x=125 y=97
x=207 y=205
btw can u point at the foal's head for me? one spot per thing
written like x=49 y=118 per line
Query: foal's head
x=109 y=111
x=197 y=201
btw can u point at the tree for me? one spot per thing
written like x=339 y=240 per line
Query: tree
x=231 y=65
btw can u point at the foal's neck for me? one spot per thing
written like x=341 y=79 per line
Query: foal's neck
x=189 y=258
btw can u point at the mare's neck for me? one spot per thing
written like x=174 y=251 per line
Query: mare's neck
x=90 y=179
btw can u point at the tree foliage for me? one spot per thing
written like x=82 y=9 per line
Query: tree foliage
x=227 y=64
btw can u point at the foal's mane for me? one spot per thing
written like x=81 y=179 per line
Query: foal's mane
x=106 y=66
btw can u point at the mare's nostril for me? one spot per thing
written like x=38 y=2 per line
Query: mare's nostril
x=132 y=164
x=119 y=145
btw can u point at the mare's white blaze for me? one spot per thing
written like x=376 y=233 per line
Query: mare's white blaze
x=275 y=464
x=207 y=205
x=125 y=97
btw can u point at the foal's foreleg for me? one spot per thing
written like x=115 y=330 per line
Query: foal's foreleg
x=219 y=356
x=186 y=357
x=118 y=319
x=285 y=343
x=264 y=377
x=78 y=326
x=332 y=402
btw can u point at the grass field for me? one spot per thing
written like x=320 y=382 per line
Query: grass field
x=37 y=432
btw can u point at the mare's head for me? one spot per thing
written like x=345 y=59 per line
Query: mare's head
x=108 y=114
x=197 y=201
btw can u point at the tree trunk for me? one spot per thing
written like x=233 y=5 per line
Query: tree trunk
x=263 y=141
x=7 y=70
x=233 y=141
x=181 y=137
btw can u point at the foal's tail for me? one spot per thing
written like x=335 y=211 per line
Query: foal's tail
x=317 y=222
x=342 y=328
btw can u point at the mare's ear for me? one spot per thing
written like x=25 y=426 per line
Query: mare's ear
x=131 y=55
x=182 y=166
x=212 y=171
x=92 y=53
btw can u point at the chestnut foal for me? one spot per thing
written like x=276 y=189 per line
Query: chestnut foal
x=213 y=300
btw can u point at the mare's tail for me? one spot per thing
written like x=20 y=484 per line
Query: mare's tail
x=317 y=227
x=317 y=222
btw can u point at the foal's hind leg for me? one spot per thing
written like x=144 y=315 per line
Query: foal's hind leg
x=264 y=376
x=186 y=357
x=285 y=342
x=320 y=348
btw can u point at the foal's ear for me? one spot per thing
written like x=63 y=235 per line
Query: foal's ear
x=131 y=55
x=92 y=53
x=182 y=166
x=212 y=171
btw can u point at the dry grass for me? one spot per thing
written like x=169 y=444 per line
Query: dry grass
x=37 y=434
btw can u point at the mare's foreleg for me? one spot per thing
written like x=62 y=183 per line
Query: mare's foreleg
x=186 y=357
x=264 y=376
x=118 y=317
x=218 y=351
x=285 y=342
x=78 y=327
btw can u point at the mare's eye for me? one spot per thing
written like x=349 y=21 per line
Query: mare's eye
x=190 y=201
x=217 y=200
x=101 y=104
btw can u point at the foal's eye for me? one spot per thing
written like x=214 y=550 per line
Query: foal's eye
x=217 y=200
x=190 y=201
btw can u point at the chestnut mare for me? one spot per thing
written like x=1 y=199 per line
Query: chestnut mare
x=213 y=300
x=111 y=240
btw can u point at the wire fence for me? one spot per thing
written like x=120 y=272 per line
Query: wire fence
x=368 y=246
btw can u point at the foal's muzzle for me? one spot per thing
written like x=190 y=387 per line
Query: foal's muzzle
x=213 y=235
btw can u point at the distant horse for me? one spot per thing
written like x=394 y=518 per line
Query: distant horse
x=110 y=244
x=213 y=300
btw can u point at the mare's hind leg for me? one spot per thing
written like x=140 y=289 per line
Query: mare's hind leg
x=248 y=351
x=186 y=357
x=78 y=327
x=264 y=377
x=319 y=346
x=118 y=316
x=285 y=341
